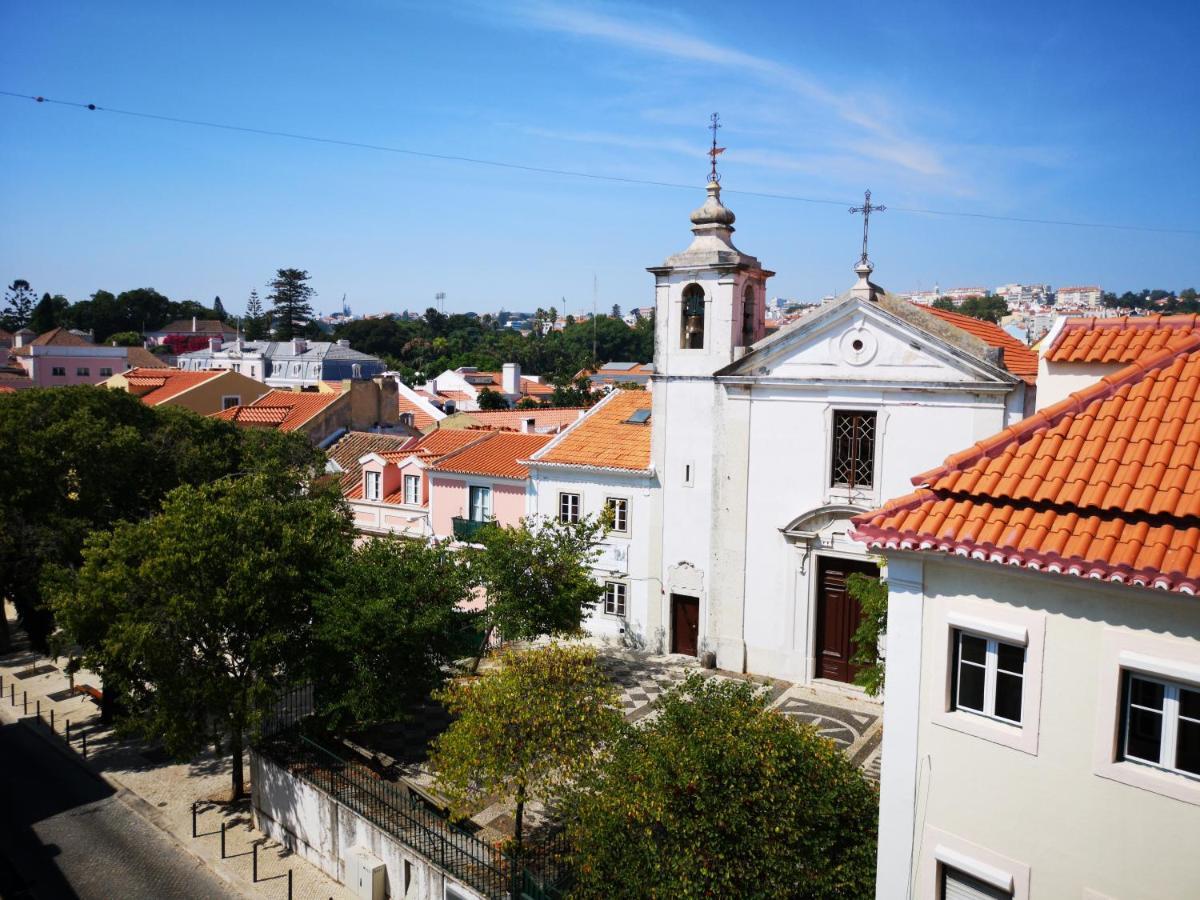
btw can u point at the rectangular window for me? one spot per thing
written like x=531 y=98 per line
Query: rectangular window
x=568 y=507
x=956 y=885
x=105 y=372
x=59 y=371
x=1160 y=723
x=688 y=480
x=614 y=598
x=853 y=449
x=230 y=401
x=988 y=677
x=83 y=372
x=412 y=489
x=620 y=513
x=372 y=484
x=481 y=503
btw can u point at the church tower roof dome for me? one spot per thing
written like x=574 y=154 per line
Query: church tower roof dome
x=714 y=212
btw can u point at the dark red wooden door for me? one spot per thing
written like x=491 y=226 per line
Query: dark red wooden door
x=838 y=616
x=685 y=624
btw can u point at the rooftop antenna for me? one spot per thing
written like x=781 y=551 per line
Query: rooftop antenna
x=595 y=291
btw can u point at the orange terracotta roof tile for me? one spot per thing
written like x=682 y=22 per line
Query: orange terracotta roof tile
x=444 y=440
x=155 y=386
x=1122 y=340
x=1018 y=358
x=1105 y=484
x=497 y=455
x=421 y=418
x=354 y=446
x=55 y=337
x=605 y=438
x=141 y=358
x=557 y=417
x=285 y=410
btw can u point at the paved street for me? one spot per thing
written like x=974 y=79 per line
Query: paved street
x=65 y=834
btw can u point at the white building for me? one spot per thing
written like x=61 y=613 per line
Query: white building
x=462 y=386
x=1042 y=724
x=602 y=462
x=1025 y=295
x=765 y=447
x=296 y=363
x=1080 y=297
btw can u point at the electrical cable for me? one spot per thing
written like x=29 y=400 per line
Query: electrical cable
x=546 y=170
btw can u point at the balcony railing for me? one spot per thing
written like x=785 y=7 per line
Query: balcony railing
x=467 y=529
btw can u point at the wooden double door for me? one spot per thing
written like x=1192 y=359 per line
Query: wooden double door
x=838 y=616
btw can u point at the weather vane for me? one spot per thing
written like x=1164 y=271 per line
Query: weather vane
x=866 y=209
x=716 y=151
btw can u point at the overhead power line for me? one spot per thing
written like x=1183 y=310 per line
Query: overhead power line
x=545 y=170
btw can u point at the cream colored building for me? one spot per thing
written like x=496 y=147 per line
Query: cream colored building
x=1042 y=716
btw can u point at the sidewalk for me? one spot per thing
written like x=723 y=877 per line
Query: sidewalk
x=158 y=788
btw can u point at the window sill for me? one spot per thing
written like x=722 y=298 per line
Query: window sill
x=1149 y=778
x=1015 y=737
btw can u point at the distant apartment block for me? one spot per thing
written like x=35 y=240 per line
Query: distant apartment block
x=1025 y=295
x=1076 y=297
x=59 y=358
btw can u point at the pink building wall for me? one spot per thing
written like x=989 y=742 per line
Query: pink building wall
x=41 y=362
x=450 y=499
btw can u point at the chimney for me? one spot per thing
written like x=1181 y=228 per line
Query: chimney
x=193 y=324
x=299 y=345
x=510 y=379
x=19 y=339
x=342 y=342
x=527 y=425
x=214 y=345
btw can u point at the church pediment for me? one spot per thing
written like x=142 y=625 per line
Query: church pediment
x=852 y=339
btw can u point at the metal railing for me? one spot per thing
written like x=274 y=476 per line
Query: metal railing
x=392 y=807
x=467 y=529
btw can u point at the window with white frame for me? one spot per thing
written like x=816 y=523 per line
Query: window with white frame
x=853 y=449
x=614 y=598
x=480 y=499
x=230 y=401
x=1160 y=723
x=412 y=489
x=568 y=507
x=619 y=508
x=988 y=676
x=371 y=485
x=956 y=885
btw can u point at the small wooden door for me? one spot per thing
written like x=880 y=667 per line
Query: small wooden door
x=685 y=624
x=838 y=616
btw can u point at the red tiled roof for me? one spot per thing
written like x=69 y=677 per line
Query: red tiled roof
x=1018 y=359
x=285 y=410
x=141 y=358
x=1122 y=340
x=496 y=455
x=554 y=417
x=354 y=446
x=421 y=419
x=1105 y=484
x=605 y=438
x=203 y=326
x=56 y=337
x=155 y=386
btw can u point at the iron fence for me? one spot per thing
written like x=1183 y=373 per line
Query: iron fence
x=489 y=869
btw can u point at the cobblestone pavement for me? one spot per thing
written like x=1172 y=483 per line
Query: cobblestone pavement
x=853 y=722
x=65 y=833
x=159 y=790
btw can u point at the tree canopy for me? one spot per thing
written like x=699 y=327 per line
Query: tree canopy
x=524 y=730
x=18 y=305
x=79 y=459
x=990 y=307
x=200 y=616
x=718 y=796
x=390 y=629
x=291 y=302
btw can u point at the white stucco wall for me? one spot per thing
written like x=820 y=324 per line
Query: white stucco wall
x=629 y=558
x=1050 y=807
x=1057 y=381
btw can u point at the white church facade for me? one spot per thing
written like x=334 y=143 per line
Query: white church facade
x=763 y=448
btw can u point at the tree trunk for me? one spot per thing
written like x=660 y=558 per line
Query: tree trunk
x=238 y=787
x=487 y=636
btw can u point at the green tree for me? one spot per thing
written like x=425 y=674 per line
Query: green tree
x=718 y=796
x=254 y=324
x=48 y=313
x=523 y=731
x=389 y=630
x=489 y=399
x=126 y=339
x=291 y=302
x=871 y=592
x=202 y=615
x=219 y=309
x=18 y=305
x=537 y=577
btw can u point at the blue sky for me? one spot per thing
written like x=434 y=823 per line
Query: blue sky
x=1086 y=112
